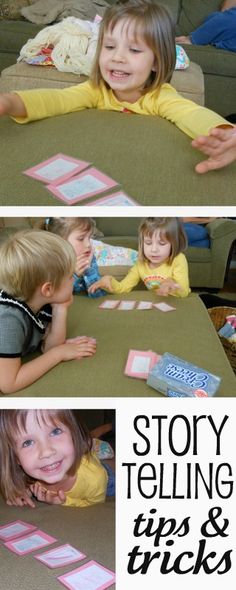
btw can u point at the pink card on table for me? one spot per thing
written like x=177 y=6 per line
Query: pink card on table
x=87 y=184
x=57 y=169
x=144 y=305
x=14 y=529
x=140 y=362
x=31 y=542
x=126 y=305
x=163 y=306
x=109 y=304
x=118 y=199
x=60 y=556
x=91 y=576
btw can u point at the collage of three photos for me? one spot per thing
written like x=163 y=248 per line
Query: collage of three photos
x=117 y=259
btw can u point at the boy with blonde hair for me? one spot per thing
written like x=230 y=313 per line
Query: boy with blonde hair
x=36 y=281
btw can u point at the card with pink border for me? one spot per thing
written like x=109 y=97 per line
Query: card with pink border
x=80 y=187
x=91 y=576
x=57 y=169
x=30 y=543
x=126 y=305
x=14 y=529
x=163 y=306
x=60 y=556
x=109 y=304
x=118 y=199
x=140 y=362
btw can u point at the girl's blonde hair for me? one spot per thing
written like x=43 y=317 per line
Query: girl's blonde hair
x=63 y=226
x=155 y=26
x=30 y=258
x=171 y=229
x=13 y=480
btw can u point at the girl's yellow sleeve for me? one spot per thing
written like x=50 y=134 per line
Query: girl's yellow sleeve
x=180 y=275
x=128 y=283
x=50 y=102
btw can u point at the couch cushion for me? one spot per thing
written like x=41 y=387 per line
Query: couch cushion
x=213 y=61
x=193 y=13
x=14 y=34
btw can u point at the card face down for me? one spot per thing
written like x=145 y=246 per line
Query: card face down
x=91 y=576
x=140 y=363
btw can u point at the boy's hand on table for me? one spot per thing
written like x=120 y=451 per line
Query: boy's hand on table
x=48 y=496
x=219 y=145
x=77 y=348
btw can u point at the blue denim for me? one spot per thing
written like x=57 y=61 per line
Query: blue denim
x=90 y=276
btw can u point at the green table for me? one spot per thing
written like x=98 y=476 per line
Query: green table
x=149 y=157
x=91 y=530
x=186 y=332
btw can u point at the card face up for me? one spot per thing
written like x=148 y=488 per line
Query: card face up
x=57 y=169
x=60 y=556
x=109 y=304
x=91 y=576
x=144 y=305
x=119 y=199
x=81 y=187
x=15 y=529
x=30 y=543
x=140 y=362
x=162 y=306
x=126 y=305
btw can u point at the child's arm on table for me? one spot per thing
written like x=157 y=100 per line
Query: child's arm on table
x=56 y=331
x=104 y=282
x=219 y=145
x=11 y=104
x=178 y=283
x=15 y=376
x=113 y=286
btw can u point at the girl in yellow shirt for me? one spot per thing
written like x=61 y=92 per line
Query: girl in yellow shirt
x=46 y=454
x=161 y=263
x=134 y=63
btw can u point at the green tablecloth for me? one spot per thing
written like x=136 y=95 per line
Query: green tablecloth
x=149 y=157
x=187 y=332
x=91 y=530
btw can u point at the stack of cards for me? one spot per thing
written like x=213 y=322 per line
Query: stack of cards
x=140 y=363
x=23 y=538
x=127 y=305
x=72 y=180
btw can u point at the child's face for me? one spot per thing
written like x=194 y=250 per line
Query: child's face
x=125 y=61
x=156 y=248
x=45 y=451
x=80 y=241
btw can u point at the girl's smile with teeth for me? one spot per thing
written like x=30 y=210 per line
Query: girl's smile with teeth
x=45 y=451
x=125 y=61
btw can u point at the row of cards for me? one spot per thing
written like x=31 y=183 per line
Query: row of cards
x=90 y=576
x=72 y=180
x=141 y=305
